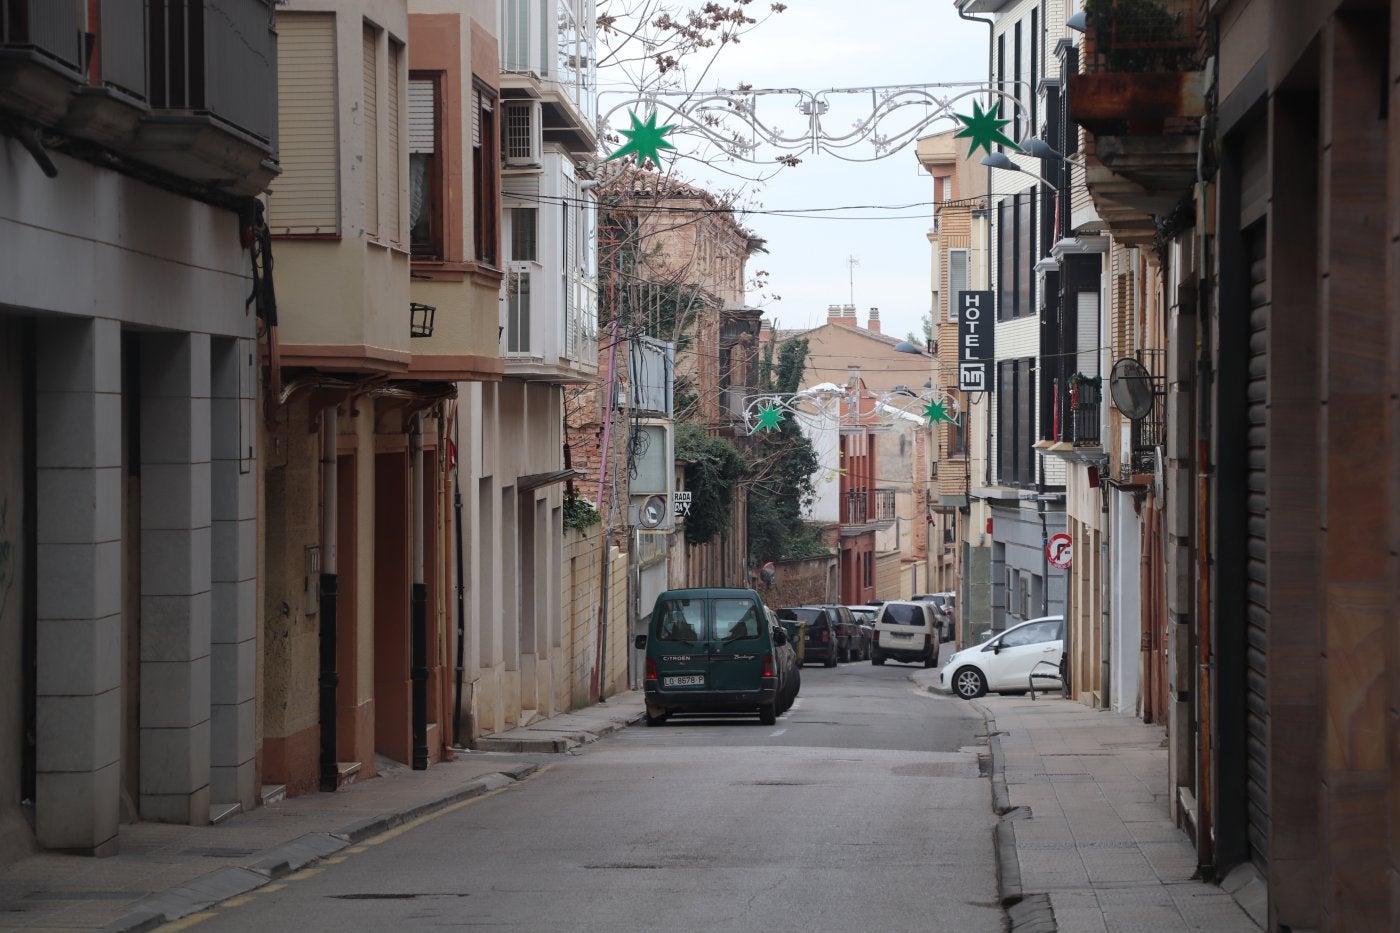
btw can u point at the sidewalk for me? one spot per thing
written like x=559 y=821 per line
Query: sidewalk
x=1085 y=842
x=165 y=872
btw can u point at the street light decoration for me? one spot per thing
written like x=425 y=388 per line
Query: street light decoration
x=984 y=129
x=646 y=139
x=769 y=416
x=937 y=410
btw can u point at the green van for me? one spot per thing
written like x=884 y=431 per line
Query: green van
x=716 y=650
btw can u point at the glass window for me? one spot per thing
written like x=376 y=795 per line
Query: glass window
x=1033 y=634
x=734 y=619
x=681 y=620
x=902 y=614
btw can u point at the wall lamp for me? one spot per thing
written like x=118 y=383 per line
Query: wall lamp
x=1079 y=22
x=420 y=319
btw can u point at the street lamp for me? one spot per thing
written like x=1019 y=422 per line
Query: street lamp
x=1000 y=160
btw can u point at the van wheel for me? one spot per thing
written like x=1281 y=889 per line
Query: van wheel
x=877 y=658
x=767 y=715
x=657 y=718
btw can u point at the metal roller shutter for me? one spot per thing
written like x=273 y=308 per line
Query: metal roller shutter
x=1256 y=593
x=306 y=196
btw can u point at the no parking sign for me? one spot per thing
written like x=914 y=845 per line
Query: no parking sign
x=1060 y=550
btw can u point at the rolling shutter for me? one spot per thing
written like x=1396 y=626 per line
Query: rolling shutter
x=422 y=137
x=306 y=196
x=393 y=224
x=370 y=115
x=1256 y=579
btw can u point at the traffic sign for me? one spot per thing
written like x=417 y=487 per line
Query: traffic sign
x=1060 y=550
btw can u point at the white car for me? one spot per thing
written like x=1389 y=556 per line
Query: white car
x=1005 y=662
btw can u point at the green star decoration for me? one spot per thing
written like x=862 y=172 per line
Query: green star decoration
x=984 y=129
x=768 y=418
x=645 y=139
x=937 y=411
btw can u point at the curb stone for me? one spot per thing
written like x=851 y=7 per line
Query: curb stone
x=278 y=861
x=1033 y=914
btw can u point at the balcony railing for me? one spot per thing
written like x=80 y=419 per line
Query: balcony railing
x=1085 y=400
x=855 y=510
x=1138 y=36
x=48 y=29
x=884 y=505
x=1150 y=431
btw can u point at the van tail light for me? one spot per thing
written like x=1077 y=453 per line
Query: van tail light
x=768 y=666
x=928 y=641
x=875 y=636
x=651 y=669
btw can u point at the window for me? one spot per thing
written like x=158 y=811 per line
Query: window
x=306 y=196
x=1016 y=255
x=681 y=620
x=524 y=234
x=957 y=279
x=485 y=176
x=393 y=213
x=425 y=187
x=735 y=619
x=1015 y=423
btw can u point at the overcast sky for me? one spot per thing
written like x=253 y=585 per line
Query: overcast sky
x=818 y=45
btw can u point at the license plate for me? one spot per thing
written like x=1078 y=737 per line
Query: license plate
x=685 y=680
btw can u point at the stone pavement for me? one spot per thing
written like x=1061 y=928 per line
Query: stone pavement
x=1085 y=843
x=166 y=872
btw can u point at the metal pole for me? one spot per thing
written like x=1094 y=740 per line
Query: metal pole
x=329 y=678
x=461 y=585
x=418 y=600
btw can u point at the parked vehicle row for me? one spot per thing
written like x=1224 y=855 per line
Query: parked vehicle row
x=833 y=634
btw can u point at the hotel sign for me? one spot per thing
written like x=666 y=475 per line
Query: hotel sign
x=976 y=333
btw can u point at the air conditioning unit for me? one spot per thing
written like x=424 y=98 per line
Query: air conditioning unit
x=523 y=144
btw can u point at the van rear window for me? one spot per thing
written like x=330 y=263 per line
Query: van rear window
x=681 y=620
x=896 y=614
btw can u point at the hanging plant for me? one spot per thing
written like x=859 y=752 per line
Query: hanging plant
x=579 y=513
x=712 y=468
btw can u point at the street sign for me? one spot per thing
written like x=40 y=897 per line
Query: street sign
x=1060 y=550
x=680 y=504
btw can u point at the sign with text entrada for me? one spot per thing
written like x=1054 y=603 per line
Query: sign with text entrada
x=976 y=333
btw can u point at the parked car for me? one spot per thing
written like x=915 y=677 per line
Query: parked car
x=865 y=618
x=947 y=611
x=1005 y=662
x=823 y=642
x=848 y=633
x=906 y=630
x=716 y=650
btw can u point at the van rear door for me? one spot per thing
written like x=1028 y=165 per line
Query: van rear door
x=739 y=643
x=680 y=647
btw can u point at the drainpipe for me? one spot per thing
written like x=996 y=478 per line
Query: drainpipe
x=461 y=584
x=604 y=457
x=418 y=620
x=329 y=677
x=1106 y=599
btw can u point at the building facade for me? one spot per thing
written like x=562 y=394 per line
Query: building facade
x=128 y=459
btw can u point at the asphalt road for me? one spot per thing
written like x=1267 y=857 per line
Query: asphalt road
x=863 y=808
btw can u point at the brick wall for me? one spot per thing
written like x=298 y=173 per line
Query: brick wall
x=801 y=582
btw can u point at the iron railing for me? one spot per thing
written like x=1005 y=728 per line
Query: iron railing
x=1137 y=36
x=1085 y=402
x=856 y=508
x=1150 y=431
x=884 y=505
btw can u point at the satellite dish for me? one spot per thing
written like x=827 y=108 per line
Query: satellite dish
x=1130 y=384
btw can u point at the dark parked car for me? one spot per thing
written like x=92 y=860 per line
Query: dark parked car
x=824 y=643
x=849 y=633
x=716 y=650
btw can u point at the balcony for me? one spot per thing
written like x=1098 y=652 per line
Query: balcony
x=1085 y=401
x=547 y=56
x=212 y=89
x=188 y=87
x=884 y=505
x=1140 y=97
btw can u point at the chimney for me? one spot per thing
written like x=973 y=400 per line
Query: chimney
x=833 y=314
x=852 y=374
x=873 y=324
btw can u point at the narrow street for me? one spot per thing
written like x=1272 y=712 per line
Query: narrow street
x=863 y=808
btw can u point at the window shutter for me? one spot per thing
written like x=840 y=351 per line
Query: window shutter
x=370 y=115
x=396 y=180
x=305 y=197
x=421 y=135
x=476 y=118
x=957 y=279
